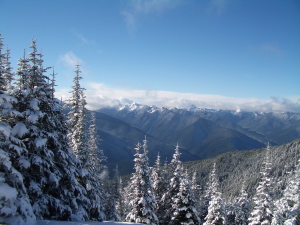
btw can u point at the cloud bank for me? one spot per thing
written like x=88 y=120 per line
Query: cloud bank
x=99 y=95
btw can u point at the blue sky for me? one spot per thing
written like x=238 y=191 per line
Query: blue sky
x=225 y=53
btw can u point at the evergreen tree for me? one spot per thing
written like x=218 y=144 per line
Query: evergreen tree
x=83 y=141
x=262 y=212
x=15 y=207
x=78 y=122
x=112 y=197
x=207 y=195
x=196 y=190
x=165 y=202
x=184 y=204
x=96 y=155
x=121 y=207
x=288 y=207
x=158 y=176
x=143 y=202
x=242 y=208
x=119 y=196
x=127 y=194
x=48 y=167
x=195 y=186
x=176 y=173
x=7 y=73
x=40 y=176
x=216 y=210
x=94 y=167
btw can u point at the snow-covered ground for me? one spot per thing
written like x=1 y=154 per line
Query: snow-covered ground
x=54 y=222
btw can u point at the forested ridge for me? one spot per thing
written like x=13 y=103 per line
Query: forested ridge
x=51 y=166
x=243 y=166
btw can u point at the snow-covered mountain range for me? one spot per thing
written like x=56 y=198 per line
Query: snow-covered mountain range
x=200 y=133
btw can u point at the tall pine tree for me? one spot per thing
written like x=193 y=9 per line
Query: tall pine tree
x=263 y=209
x=160 y=186
x=216 y=210
x=288 y=207
x=34 y=128
x=143 y=202
x=48 y=167
x=95 y=168
x=242 y=208
x=184 y=204
x=85 y=150
x=15 y=207
x=176 y=173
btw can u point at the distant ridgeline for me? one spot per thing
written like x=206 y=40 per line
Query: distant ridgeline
x=201 y=133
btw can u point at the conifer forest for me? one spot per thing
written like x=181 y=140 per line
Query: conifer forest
x=51 y=166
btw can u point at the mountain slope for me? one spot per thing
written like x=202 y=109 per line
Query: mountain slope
x=206 y=139
x=120 y=139
x=234 y=168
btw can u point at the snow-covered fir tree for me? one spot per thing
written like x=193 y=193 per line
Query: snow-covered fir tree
x=48 y=167
x=95 y=168
x=196 y=190
x=7 y=73
x=143 y=202
x=160 y=186
x=34 y=128
x=156 y=177
x=288 y=207
x=86 y=150
x=216 y=210
x=118 y=195
x=195 y=187
x=184 y=204
x=127 y=195
x=96 y=155
x=15 y=207
x=176 y=173
x=78 y=122
x=263 y=209
x=205 y=197
x=121 y=207
x=242 y=208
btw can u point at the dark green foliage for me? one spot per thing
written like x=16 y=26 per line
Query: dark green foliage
x=237 y=167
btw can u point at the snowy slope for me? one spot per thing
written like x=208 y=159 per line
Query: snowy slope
x=54 y=222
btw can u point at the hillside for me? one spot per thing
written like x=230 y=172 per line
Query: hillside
x=234 y=168
x=120 y=138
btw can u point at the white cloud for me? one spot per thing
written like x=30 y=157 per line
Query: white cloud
x=99 y=95
x=70 y=60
